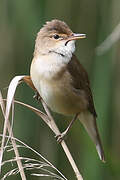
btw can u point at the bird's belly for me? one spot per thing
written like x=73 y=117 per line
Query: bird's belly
x=60 y=99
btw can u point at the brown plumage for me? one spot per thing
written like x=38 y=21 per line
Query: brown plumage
x=78 y=72
x=56 y=26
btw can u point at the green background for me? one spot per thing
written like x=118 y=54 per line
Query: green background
x=19 y=23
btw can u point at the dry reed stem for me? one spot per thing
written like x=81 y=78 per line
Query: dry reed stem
x=18 y=160
x=35 y=163
x=63 y=144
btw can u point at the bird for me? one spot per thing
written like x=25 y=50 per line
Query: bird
x=61 y=79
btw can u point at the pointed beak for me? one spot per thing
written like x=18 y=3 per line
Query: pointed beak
x=75 y=36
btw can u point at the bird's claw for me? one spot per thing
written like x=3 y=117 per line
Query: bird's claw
x=37 y=96
x=60 y=137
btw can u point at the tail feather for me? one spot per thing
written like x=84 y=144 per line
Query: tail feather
x=89 y=122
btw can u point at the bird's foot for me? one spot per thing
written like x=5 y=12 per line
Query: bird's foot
x=61 y=137
x=37 y=96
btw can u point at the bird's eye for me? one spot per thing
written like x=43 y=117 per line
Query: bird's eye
x=56 y=36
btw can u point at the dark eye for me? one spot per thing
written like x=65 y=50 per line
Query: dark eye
x=56 y=36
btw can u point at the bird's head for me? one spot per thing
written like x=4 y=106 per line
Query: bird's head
x=56 y=37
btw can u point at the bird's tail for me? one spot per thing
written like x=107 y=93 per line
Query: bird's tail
x=89 y=122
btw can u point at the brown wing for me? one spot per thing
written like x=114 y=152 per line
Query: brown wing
x=77 y=71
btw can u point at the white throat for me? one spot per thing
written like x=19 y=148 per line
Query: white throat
x=65 y=50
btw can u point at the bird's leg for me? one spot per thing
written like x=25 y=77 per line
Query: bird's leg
x=61 y=136
x=37 y=96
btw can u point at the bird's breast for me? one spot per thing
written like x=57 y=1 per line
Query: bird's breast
x=56 y=89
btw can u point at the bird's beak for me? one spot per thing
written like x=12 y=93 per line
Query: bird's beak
x=75 y=36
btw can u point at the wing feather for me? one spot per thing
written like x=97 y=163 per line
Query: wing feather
x=78 y=72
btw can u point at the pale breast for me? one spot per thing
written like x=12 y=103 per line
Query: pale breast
x=57 y=91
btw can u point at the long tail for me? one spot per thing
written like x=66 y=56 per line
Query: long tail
x=89 y=122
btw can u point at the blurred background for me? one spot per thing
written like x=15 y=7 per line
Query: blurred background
x=19 y=23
